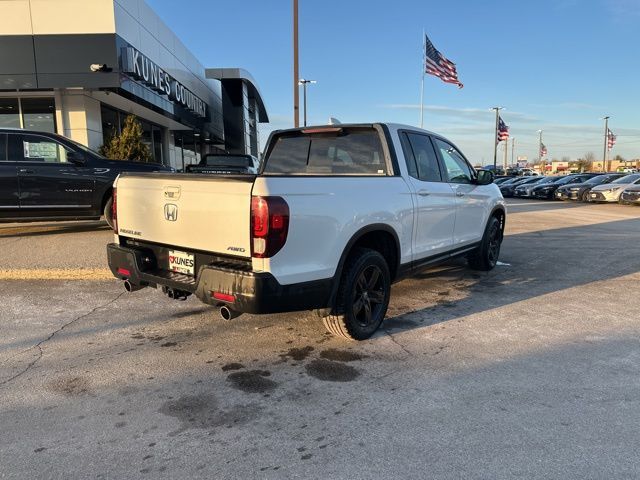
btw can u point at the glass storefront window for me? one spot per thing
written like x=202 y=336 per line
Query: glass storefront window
x=9 y=113
x=110 y=122
x=39 y=114
x=157 y=143
x=113 y=120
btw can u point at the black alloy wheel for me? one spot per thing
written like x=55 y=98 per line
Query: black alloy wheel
x=363 y=295
x=485 y=257
x=368 y=296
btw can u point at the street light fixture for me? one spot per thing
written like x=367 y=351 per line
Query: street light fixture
x=304 y=83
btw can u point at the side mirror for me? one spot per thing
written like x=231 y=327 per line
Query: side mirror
x=485 y=177
x=76 y=157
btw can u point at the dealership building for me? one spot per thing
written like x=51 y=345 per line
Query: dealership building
x=79 y=67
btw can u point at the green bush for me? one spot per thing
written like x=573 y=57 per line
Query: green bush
x=128 y=145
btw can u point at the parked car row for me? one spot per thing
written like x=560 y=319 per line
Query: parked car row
x=583 y=187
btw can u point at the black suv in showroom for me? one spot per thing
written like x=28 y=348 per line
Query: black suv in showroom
x=44 y=176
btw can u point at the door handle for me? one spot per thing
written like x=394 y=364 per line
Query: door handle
x=24 y=170
x=459 y=194
x=423 y=193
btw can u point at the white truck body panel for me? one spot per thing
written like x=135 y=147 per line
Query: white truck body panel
x=326 y=213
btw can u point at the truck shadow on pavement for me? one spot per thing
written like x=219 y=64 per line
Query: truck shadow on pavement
x=533 y=264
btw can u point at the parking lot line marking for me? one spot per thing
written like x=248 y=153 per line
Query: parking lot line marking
x=56 y=274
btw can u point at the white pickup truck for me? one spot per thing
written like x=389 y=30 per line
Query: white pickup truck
x=335 y=215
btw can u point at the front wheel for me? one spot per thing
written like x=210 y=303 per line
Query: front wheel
x=363 y=296
x=108 y=212
x=585 y=196
x=485 y=257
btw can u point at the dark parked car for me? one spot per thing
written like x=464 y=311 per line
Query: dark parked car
x=507 y=190
x=547 y=190
x=44 y=176
x=225 y=163
x=630 y=195
x=500 y=180
x=524 y=191
x=580 y=191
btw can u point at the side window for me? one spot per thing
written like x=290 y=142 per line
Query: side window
x=458 y=170
x=42 y=149
x=408 y=156
x=3 y=147
x=425 y=156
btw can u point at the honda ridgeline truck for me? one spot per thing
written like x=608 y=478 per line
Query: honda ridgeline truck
x=335 y=215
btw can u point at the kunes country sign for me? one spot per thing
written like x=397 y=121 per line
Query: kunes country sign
x=140 y=67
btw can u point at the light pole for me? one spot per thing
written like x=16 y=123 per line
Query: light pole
x=495 y=139
x=304 y=83
x=296 y=75
x=606 y=143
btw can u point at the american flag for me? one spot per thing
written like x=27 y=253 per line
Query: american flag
x=543 y=150
x=611 y=139
x=503 y=131
x=437 y=64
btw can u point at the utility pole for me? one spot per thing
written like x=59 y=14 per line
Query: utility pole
x=606 y=144
x=513 y=147
x=304 y=83
x=495 y=139
x=296 y=88
x=542 y=166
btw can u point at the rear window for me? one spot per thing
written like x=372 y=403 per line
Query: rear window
x=351 y=151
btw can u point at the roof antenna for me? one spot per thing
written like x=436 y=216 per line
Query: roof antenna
x=334 y=121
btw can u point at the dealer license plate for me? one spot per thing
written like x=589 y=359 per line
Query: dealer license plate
x=181 y=262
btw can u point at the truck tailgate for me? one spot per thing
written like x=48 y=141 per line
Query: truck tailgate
x=193 y=212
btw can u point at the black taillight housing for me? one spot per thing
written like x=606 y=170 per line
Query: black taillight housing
x=269 y=225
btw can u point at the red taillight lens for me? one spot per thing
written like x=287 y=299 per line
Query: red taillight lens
x=124 y=271
x=269 y=225
x=114 y=210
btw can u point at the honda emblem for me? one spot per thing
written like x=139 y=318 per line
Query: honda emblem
x=171 y=212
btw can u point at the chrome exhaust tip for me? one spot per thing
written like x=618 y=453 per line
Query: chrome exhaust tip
x=228 y=314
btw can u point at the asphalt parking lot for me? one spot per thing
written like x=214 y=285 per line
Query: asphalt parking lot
x=531 y=370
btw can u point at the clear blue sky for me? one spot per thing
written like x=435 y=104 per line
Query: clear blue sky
x=556 y=65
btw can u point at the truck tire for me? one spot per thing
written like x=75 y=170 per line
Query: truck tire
x=363 y=296
x=108 y=212
x=485 y=257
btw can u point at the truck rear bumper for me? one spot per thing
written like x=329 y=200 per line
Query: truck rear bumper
x=252 y=292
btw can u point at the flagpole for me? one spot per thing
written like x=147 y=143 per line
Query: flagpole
x=604 y=155
x=422 y=83
x=495 y=140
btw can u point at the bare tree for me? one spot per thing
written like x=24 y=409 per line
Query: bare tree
x=585 y=164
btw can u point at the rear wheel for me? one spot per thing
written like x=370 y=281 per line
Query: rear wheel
x=585 y=196
x=485 y=257
x=363 y=296
x=108 y=211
